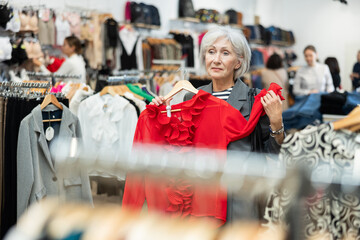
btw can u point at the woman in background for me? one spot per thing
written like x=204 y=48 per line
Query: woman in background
x=74 y=63
x=314 y=77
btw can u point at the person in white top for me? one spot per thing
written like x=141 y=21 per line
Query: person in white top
x=74 y=63
x=313 y=78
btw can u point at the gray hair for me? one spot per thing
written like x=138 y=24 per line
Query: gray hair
x=238 y=42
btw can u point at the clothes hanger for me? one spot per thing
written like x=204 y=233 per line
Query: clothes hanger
x=351 y=121
x=108 y=90
x=181 y=85
x=51 y=99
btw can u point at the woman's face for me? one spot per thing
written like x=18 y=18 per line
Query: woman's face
x=310 y=57
x=67 y=49
x=221 y=60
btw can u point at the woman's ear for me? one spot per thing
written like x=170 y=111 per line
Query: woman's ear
x=237 y=66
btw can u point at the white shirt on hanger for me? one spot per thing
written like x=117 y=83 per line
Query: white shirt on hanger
x=108 y=126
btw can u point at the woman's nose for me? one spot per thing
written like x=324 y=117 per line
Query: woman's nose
x=217 y=58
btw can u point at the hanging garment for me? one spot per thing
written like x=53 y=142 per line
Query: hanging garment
x=47 y=31
x=14 y=23
x=15 y=111
x=62 y=29
x=131 y=52
x=193 y=126
x=38 y=169
x=108 y=126
x=321 y=148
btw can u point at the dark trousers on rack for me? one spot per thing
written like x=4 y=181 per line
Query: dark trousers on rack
x=16 y=110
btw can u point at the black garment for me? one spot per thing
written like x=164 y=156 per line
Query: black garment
x=128 y=61
x=5 y=15
x=134 y=104
x=17 y=109
x=198 y=83
x=155 y=16
x=18 y=54
x=137 y=14
x=356 y=81
x=232 y=16
x=332 y=103
x=187 y=44
x=112 y=32
x=186 y=9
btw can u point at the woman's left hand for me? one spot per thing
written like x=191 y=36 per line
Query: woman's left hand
x=273 y=108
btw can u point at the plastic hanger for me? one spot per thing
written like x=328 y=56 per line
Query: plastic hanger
x=351 y=121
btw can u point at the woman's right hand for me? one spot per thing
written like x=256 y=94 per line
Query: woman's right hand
x=158 y=100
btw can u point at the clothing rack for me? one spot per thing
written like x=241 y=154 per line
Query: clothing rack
x=123 y=79
x=26 y=84
x=54 y=75
x=241 y=174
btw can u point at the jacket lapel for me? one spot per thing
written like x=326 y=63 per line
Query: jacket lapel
x=238 y=97
x=67 y=130
x=38 y=127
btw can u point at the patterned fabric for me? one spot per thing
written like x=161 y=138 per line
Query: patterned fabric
x=330 y=210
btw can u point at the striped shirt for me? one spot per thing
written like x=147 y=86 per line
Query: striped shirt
x=224 y=95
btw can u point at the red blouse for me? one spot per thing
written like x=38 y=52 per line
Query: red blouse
x=204 y=121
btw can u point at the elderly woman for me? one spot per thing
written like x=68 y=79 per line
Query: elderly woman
x=226 y=55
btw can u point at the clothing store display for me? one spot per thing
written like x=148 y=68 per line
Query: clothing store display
x=192 y=129
x=73 y=65
x=28 y=21
x=14 y=23
x=5 y=15
x=108 y=125
x=316 y=77
x=138 y=91
x=320 y=148
x=5 y=48
x=93 y=52
x=305 y=111
x=33 y=48
x=18 y=54
x=186 y=9
x=332 y=103
x=187 y=44
x=78 y=97
x=62 y=29
x=130 y=48
x=47 y=31
x=75 y=23
x=45 y=179
x=15 y=111
x=112 y=32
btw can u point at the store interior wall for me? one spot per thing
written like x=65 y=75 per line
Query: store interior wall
x=327 y=24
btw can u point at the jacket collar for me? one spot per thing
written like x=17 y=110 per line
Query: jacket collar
x=238 y=95
x=67 y=128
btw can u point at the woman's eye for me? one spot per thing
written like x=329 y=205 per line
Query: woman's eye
x=211 y=51
x=226 y=53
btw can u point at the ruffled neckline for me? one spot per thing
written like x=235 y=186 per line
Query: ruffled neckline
x=179 y=131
